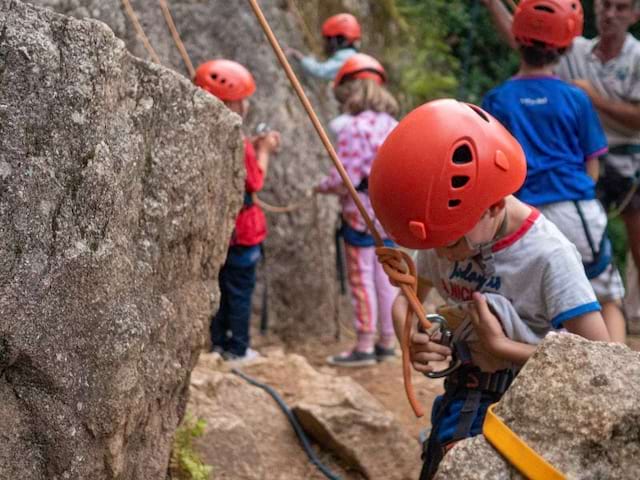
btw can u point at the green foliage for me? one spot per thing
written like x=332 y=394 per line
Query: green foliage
x=185 y=462
x=456 y=51
x=618 y=235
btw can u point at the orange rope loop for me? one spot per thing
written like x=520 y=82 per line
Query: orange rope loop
x=267 y=207
x=176 y=38
x=140 y=31
x=409 y=291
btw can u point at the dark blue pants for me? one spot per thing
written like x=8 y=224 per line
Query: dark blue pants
x=237 y=279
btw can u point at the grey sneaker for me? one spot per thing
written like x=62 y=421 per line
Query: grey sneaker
x=384 y=353
x=353 y=359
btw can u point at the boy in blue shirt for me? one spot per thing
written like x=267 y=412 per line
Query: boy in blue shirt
x=561 y=135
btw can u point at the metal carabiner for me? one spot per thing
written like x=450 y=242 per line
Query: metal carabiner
x=445 y=339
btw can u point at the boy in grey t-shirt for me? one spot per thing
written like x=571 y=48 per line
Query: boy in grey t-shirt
x=448 y=194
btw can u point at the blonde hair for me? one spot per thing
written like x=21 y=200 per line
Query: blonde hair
x=357 y=95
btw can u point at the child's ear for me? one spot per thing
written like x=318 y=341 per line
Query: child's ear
x=497 y=207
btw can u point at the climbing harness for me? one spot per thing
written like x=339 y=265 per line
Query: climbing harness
x=397 y=264
x=601 y=258
x=516 y=451
x=294 y=423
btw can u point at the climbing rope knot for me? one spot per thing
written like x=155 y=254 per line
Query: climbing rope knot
x=398 y=266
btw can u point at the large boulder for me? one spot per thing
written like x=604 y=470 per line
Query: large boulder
x=304 y=295
x=576 y=403
x=343 y=418
x=119 y=183
x=247 y=436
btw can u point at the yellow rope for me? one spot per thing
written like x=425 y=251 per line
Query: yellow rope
x=140 y=31
x=176 y=38
x=516 y=451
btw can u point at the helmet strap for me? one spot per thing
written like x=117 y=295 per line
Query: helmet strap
x=485 y=250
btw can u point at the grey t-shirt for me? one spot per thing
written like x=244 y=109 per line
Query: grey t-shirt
x=537 y=269
x=617 y=79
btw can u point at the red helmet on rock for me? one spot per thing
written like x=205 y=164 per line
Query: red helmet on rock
x=226 y=79
x=553 y=22
x=439 y=170
x=343 y=24
x=362 y=67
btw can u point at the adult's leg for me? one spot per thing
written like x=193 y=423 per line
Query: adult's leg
x=632 y=223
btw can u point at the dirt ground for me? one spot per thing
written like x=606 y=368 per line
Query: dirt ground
x=383 y=381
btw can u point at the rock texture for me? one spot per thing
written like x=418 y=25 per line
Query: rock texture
x=343 y=418
x=300 y=268
x=119 y=182
x=247 y=436
x=577 y=403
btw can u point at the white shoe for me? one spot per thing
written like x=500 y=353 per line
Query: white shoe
x=249 y=354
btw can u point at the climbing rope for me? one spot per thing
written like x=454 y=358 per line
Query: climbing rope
x=397 y=264
x=140 y=31
x=267 y=207
x=176 y=38
x=306 y=31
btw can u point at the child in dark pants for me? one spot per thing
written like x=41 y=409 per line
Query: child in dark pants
x=233 y=84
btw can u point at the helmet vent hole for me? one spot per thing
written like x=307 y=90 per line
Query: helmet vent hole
x=454 y=203
x=223 y=80
x=214 y=76
x=462 y=155
x=574 y=6
x=480 y=113
x=544 y=8
x=459 y=181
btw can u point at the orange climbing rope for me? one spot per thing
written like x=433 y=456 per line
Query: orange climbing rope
x=176 y=38
x=397 y=264
x=140 y=31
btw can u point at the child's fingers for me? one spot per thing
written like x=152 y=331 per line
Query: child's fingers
x=480 y=308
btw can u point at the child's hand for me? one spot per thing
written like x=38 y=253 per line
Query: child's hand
x=423 y=350
x=486 y=325
x=292 y=52
x=269 y=142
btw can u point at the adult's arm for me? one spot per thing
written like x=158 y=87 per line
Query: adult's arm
x=625 y=113
x=502 y=19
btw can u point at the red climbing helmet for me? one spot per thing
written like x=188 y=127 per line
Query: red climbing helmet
x=226 y=79
x=360 y=66
x=553 y=22
x=342 y=24
x=439 y=170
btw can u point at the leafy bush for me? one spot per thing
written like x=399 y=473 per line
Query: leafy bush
x=185 y=462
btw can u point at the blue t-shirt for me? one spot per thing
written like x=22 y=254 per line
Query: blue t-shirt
x=558 y=129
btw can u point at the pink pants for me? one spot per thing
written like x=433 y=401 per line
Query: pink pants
x=371 y=295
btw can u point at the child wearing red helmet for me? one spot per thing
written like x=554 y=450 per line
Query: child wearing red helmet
x=442 y=183
x=233 y=84
x=559 y=130
x=341 y=34
x=370 y=108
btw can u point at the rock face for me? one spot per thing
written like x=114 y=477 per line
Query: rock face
x=577 y=404
x=119 y=183
x=300 y=268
